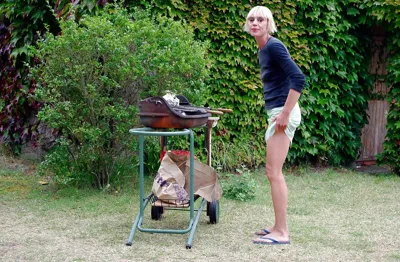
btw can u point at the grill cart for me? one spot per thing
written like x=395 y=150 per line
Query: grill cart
x=163 y=120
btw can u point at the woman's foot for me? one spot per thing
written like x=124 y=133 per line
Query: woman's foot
x=263 y=232
x=268 y=240
x=270 y=236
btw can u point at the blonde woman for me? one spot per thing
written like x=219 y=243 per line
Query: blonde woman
x=283 y=83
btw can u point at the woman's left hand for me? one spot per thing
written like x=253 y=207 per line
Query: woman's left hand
x=281 y=121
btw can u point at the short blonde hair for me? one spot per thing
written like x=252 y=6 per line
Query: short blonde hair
x=263 y=12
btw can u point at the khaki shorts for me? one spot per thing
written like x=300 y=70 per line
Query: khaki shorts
x=294 y=122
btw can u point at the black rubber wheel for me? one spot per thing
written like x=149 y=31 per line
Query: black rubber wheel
x=156 y=212
x=213 y=211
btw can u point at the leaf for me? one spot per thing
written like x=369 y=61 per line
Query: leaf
x=342 y=74
x=352 y=11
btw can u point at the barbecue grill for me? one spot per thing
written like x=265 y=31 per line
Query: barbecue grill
x=156 y=112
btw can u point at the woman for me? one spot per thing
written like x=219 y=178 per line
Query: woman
x=283 y=84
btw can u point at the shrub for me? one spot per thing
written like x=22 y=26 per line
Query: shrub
x=92 y=77
x=240 y=187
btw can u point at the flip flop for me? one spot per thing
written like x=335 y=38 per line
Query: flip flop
x=272 y=241
x=262 y=232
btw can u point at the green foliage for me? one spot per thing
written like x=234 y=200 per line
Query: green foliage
x=386 y=14
x=391 y=145
x=335 y=100
x=22 y=22
x=329 y=40
x=241 y=187
x=232 y=155
x=171 y=58
x=28 y=21
x=70 y=168
x=66 y=9
x=58 y=162
x=326 y=40
x=391 y=153
x=234 y=81
x=92 y=77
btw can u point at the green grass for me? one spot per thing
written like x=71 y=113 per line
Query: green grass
x=334 y=215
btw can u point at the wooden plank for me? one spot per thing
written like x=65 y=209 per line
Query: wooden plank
x=379 y=55
x=169 y=203
x=373 y=134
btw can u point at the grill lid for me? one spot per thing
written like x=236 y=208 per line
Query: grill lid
x=156 y=112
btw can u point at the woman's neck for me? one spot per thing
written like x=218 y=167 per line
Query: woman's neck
x=262 y=41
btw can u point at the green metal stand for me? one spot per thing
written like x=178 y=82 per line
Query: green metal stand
x=142 y=132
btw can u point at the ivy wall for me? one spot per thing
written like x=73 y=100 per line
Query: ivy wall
x=329 y=40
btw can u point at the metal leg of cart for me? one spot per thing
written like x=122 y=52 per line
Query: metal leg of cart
x=191 y=236
x=137 y=225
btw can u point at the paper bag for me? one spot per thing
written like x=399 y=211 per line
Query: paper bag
x=172 y=182
x=206 y=182
x=168 y=185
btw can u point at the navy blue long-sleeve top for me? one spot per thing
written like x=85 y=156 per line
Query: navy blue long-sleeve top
x=279 y=73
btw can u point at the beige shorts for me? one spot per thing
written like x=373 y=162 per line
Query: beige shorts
x=294 y=122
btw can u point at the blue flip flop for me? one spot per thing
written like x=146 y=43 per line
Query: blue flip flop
x=265 y=232
x=271 y=242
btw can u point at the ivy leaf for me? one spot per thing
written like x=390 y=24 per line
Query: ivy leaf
x=352 y=11
x=342 y=74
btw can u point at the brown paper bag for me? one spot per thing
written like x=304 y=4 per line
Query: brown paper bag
x=172 y=180
x=168 y=185
x=206 y=182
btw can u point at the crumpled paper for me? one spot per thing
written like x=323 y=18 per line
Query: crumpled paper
x=171 y=99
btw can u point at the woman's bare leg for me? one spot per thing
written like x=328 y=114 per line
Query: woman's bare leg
x=277 y=149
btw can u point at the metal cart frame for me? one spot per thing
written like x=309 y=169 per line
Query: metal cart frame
x=142 y=132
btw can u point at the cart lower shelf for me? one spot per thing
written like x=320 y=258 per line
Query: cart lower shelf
x=158 y=207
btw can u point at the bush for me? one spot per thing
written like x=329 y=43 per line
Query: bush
x=243 y=151
x=240 y=187
x=92 y=77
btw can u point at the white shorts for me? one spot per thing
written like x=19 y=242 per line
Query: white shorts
x=294 y=122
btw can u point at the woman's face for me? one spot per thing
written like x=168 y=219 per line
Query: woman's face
x=257 y=25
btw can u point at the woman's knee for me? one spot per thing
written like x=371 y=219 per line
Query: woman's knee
x=272 y=173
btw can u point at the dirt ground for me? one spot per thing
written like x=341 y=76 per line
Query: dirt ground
x=373 y=169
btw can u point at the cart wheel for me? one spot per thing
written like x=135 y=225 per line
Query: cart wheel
x=156 y=212
x=213 y=211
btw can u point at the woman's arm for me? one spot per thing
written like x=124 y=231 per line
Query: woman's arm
x=297 y=79
x=280 y=54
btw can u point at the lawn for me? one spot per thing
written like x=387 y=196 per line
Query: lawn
x=334 y=215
